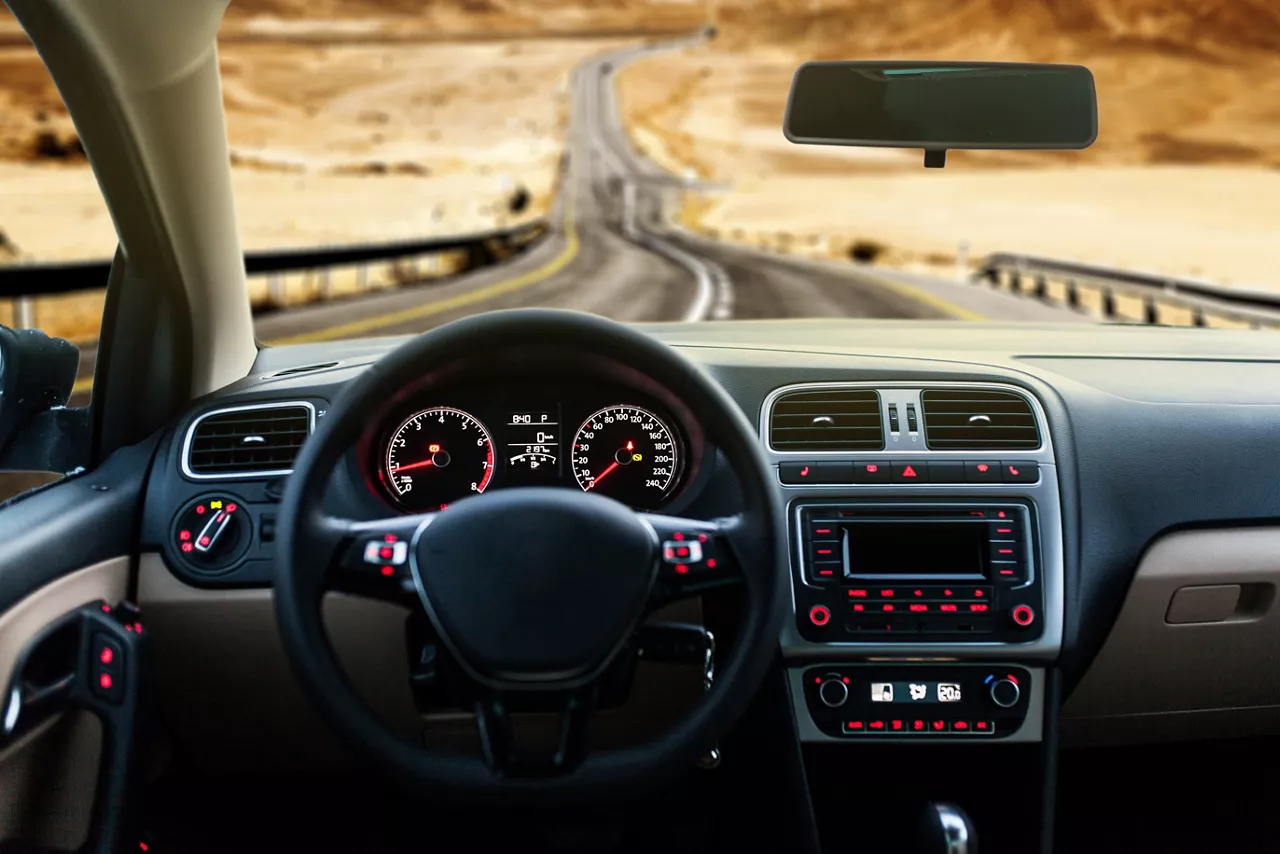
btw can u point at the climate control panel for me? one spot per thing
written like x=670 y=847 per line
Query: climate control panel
x=952 y=701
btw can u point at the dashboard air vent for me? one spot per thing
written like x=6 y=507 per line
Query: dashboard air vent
x=978 y=420
x=247 y=441
x=827 y=420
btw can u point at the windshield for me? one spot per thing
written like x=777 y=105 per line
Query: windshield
x=425 y=164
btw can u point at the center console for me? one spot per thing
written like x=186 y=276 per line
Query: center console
x=925 y=560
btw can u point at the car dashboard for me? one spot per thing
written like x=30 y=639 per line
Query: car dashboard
x=939 y=569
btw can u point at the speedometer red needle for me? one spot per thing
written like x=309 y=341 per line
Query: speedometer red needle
x=423 y=464
x=613 y=465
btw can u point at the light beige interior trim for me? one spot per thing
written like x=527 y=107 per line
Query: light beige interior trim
x=106 y=580
x=1155 y=680
x=231 y=703
x=153 y=126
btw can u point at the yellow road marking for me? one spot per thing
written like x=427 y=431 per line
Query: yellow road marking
x=418 y=312
x=921 y=295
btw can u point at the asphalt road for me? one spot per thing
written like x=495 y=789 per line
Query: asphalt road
x=611 y=251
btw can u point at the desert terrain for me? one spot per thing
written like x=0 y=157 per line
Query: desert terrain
x=1184 y=178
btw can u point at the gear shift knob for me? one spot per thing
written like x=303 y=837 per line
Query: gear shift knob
x=945 y=829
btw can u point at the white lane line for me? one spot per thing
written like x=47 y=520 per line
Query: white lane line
x=713 y=298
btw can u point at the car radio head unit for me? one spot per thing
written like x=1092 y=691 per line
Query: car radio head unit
x=876 y=572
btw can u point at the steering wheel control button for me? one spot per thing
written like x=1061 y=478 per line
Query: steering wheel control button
x=982 y=471
x=794 y=474
x=833 y=692
x=1005 y=692
x=381 y=552
x=819 y=615
x=910 y=472
x=869 y=472
x=688 y=551
x=1019 y=471
x=1023 y=616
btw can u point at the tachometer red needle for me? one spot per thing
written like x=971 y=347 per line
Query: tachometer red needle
x=427 y=462
x=613 y=465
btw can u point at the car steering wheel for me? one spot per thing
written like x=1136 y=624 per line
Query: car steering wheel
x=531 y=590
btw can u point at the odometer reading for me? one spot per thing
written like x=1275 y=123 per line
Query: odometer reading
x=437 y=456
x=628 y=454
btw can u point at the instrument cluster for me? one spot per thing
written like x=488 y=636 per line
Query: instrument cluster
x=598 y=436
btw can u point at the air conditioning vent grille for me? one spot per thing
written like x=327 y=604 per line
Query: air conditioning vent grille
x=248 y=441
x=978 y=420
x=827 y=420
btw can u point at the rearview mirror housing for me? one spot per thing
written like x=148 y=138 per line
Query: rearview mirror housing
x=939 y=106
x=37 y=373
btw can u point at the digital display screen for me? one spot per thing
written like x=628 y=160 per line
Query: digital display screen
x=533 y=447
x=892 y=549
x=916 y=692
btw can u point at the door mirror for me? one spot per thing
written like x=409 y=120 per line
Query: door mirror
x=37 y=374
x=942 y=105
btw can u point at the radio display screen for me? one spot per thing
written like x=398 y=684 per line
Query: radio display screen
x=893 y=549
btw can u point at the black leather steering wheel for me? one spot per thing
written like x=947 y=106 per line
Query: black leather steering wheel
x=531 y=589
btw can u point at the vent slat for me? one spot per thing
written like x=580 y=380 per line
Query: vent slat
x=218 y=447
x=855 y=421
x=1010 y=423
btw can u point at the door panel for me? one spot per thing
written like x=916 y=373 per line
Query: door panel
x=49 y=779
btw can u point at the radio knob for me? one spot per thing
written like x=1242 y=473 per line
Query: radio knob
x=833 y=692
x=1005 y=693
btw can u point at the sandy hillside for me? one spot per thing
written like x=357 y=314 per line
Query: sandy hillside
x=1184 y=177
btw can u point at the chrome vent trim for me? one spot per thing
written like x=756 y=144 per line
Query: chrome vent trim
x=232 y=474
x=976 y=419
x=837 y=419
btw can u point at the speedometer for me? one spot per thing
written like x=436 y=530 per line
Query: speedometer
x=437 y=456
x=628 y=454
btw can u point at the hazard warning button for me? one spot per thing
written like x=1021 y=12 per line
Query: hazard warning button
x=910 y=472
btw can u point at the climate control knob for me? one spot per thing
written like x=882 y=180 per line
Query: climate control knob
x=1005 y=693
x=833 y=692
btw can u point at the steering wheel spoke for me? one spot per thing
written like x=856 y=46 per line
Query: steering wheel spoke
x=695 y=556
x=371 y=559
x=497 y=732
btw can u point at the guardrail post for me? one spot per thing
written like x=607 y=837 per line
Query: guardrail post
x=362 y=277
x=24 y=313
x=1015 y=282
x=1150 y=311
x=275 y=289
x=1042 y=287
x=1197 y=316
x=1108 y=303
x=1073 y=294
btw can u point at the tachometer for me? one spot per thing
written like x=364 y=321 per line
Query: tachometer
x=626 y=453
x=437 y=456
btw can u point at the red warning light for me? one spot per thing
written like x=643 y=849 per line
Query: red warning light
x=433 y=448
x=631 y=446
x=909 y=471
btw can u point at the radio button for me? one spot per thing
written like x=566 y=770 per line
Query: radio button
x=1019 y=471
x=982 y=472
x=868 y=472
x=1006 y=550
x=910 y=472
x=825 y=572
x=951 y=471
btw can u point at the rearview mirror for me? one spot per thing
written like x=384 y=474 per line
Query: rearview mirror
x=37 y=374
x=942 y=105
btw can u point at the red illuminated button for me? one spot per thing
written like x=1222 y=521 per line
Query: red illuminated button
x=960 y=726
x=918 y=726
x=897 y=726
x=918 y=608
x=1023 y=615
x=982 y=472
x=910 y=472
x=886 y=593
x=979 y=607
x=948 y=608
x=870 y=472
x=875 y=725
x=105 y=681
x=106 y=655
x=859 y=607
x=886 y=607
x=986 y=727
x=937 y=726
x=1019 y=471
x=819 y=615
x=854 y=726
x=858 y=593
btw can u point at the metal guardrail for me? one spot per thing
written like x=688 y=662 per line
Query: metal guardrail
x=1160 y=299
x=22 y=282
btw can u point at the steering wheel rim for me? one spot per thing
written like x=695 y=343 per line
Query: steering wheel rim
x=299 y=585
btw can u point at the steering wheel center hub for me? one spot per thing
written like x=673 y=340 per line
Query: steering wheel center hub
x=535 y=587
